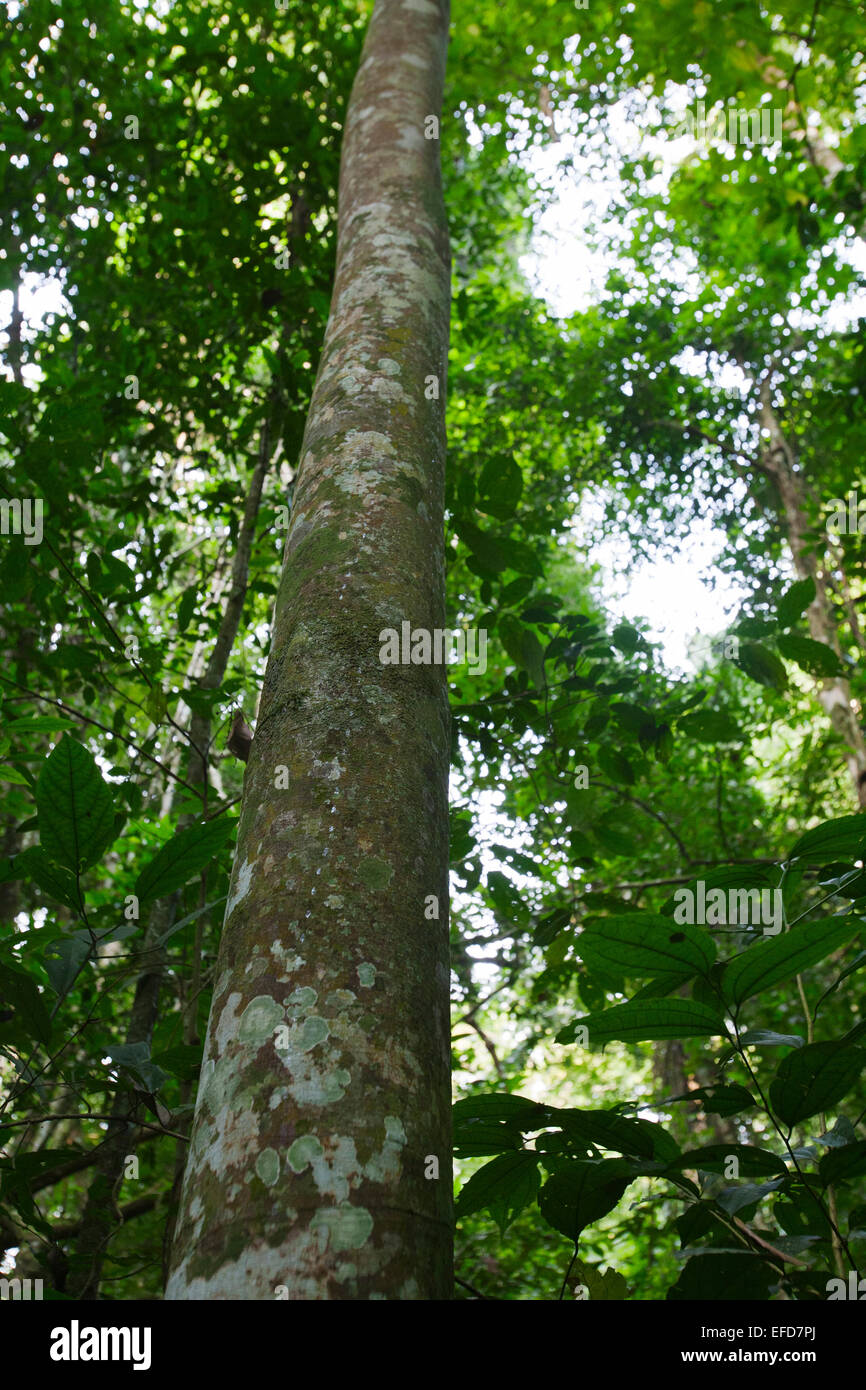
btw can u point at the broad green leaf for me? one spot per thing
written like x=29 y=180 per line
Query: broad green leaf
x=601 y=1287
x=191 y=917
x=641 y=944
x=616 y=766
x=500 y=486
x=523 y=647
x=752 y=1162
x=795 y=601
x=39 y=724
x=19 y=992
x=63 y=960
x=747 y=1194
x=186 y=608
x=634 y=719
x=506 y=899
x=581 y=1191
x=737 y=877
x=815 y=657
x=13 y=776
x=814 y=1078
x=647 y=1021
x=521 y=1115
x=135 y=1058
x=503 y=1187
x=490 y=554
x=719 y=1100
x=185 y=854
x=53 y=879
x=762 y=665
x=765 y=1037
x=75 y=807
x=770 y=961
x=476 y=1139
x=711 y=726
x=856 y=964
x=626 y=638
x=636 y=1138
x=839 y=1165
x=842 y=838
x=533 y=658
x=711 y=1278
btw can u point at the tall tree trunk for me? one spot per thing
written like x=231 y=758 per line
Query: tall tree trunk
x=835 y=694
x=323 y=1110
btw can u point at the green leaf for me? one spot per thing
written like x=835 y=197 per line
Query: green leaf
x=500 y=486
x=503 y=1187
x=533 y=659
x=626 y=638
x=490 y=554
x=13 y=776
x=477 y=1140
x=762 y=665
x=664 y=743
x=795 y=601
x=39 y=724
x=815 y=657
x=856 y=964
x=711 y=1278
x=63 y=960
x=768 y=962
x=186 y=608
x=75 y=807
x=521 y=1115
x=839 y=1165
x=634 y=719
x=191 y=917
x=615 y=766
x=765 y=1037
x=646 y=1021
x=711 y=726
x=753 y=1162
x=841 y=838
x=523 y=647
x=636 y=1138
x=185 y=854
x=813 y=1079
x=602 y=1288
x=644 y=944
x=736 y=877
x=19 y=992
x=506 y=899
x=182 y=1061
x=55 y=881
x=719 y=1100
x=581 y=1191
x=135 y=1058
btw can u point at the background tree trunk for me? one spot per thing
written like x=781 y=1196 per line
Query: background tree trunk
x=835 y=693
x=324 y=1103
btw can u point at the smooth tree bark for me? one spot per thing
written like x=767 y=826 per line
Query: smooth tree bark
x=779 y=462
x=320 y=1164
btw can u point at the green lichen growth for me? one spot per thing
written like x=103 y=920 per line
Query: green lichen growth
x=268 y=1166
x=376 y=873
x=302 y=999
x=314 y=1031
x=304 y=1151
x=345 y=1227
x=259 y=1019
